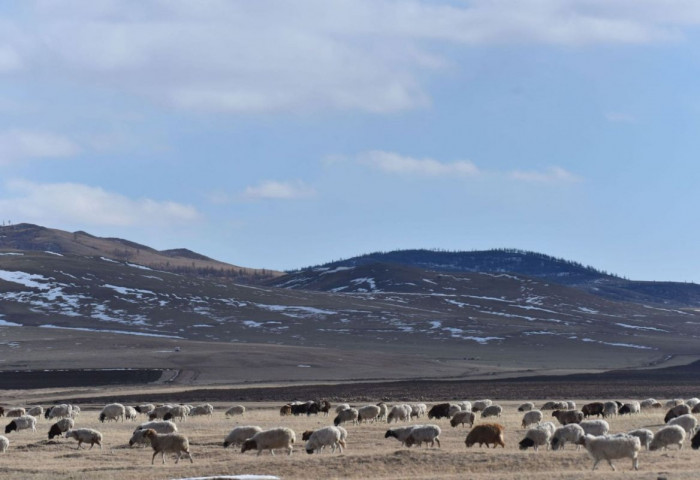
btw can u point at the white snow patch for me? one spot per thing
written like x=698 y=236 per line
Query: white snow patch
x=26 y=279
x=615 y=344
x=120 y=332
x=109 y=260
x=127 y=290
x=7 y=254
x=301 y=365
x=4 y=323
x=587 y=310
x=135 y=265
x=337 y=269
x=53 y=253
x=252 y=324
x=637 y=327
x=367 y=280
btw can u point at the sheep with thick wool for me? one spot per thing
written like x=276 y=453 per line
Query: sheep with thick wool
x=486 y=433
x=270 y=440
x=240 y=434
x=168 y=443
x=464 y=418
x=535 y=438
x=595 y=427
x=4 y=444
x=526 y=407
x=612 y=447
x=61 y=427
x=347 y=415
x=667 y=436
x=423 y=434
x=325 y=437
x=688 y=422
x=200 y=410
x=235 y=410
x=159 y=426
x=368 y=413
x=492 y=411
x=400 y=433
x=113 y=411
x=567 y=433
x=85 y=435
x=531 y=417
x=24 y=422
x=644 y=435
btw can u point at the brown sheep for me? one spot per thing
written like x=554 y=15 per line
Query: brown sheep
x=286 y=410
x=677 y=411
x=486 y=433
x=594 y=408
x=566 y=417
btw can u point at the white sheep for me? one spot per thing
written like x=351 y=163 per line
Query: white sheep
x=465 y=406
x=270 y=440
x=59 y=411
x=526 y=407
x=4 y=444
x=644 y=435
x=611 y=448
x=674 y=402
x=130 y=413
x=145 y=408
x=479 y=405
x=160 y=426
x=691 y=402
x=648 y=403
x=180 y=412
x=112 y=411
x=37 y=411
x=341 y=407
x=492 y=411
x=419 y=410
x=240 y=434
x=159 y=412
x=610 y=409
x=667 y=436
x=85 y=435
x=548 y=426
x=535 y=437
x=383 y=411
x=235 y=410
x=570 y=405
x=400 y=433
x=595 y=427
x=423 y=434
x=21 y=423
x=347 y=415
x=15 y=412
x=530 y=417
x=205 y=409
x=168 y=443
x=568 y=433
x=454 y=409
x=688 y=422
x=399 y=412
x=323 y=437
x=464 y=417
x=61 y=427
x=367 y=413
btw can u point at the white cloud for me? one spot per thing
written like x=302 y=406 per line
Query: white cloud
x=16 y=144
x=394 y=163
x=275 y=190
x=272 y=55
x=550 y=175
x=53 y=203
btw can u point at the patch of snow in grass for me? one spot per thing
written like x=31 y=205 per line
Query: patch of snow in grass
x=615 y=344
x=637 y=327
x=120 y=332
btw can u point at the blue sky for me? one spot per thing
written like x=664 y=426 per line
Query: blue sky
x=277 y=134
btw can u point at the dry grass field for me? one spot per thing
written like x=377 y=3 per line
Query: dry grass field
x=369 y=455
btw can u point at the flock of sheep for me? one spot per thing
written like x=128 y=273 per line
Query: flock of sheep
x=576 y=426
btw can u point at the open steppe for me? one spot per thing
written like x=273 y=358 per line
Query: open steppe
x=368 y=455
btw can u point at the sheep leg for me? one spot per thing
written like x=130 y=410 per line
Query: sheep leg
x=611 y=464
x=79 y=443
x=153 y=457
x=438 y=442
x=635 y=463
x=290 y=448
x=595 y=464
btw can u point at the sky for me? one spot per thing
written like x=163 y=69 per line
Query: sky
x=281 y=134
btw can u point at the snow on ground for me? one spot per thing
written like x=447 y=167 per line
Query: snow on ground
x=120 y=332
x=637 y=327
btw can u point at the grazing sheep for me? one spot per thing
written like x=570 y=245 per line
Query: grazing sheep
x=285 y=410
x=675 y=402
x=235 y=410
x=130 y=413
x=367 y=413
x=59 y=411
x=441 y=410
x=400 y=433
x=159 y=412
x=610 y=409
x=199 y=410
x=629 y=408
x=341 y=407
x=463 y=418
x=479 y=405
x=492 y=411
x=566 y=417
x=486 y=433
x=688 y=422
x=21 y=423
x=533 y=416
x=696 y=409
x=113 y=411
x=323 y=437
x=4 y=444
x=454 y=408
x=423 y=434
x=648 y=403
x=85 y=435
x=145 y=408
x=177 y=411
x=240 y=434
x=535 y=437
x=549 y=426
x=347 y=415
x=399 y=412
x=644 y=435
x=677 y=411
x=611 y=448
x=526 y=407
x=691 y=402
x=695 y=442
x=160 y=426
x=465 y=406
x=666 y=436
x=37 y=411
x=595 y=427
x=61 y=427
x=270 y=440
x=570 y=405
x=383 y=410
x=419 y=409
x=168 y=443
x=15 y=412
x=568 y=433
x=594 y=408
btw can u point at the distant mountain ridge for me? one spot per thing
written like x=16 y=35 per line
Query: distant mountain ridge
x=29 y=237
x=521 y=262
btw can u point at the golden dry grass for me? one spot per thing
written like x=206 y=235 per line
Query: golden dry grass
x=368 y=455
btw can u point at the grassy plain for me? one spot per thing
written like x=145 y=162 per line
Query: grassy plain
x=368 y=455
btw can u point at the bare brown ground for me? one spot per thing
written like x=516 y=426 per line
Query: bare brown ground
x=368 y=455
